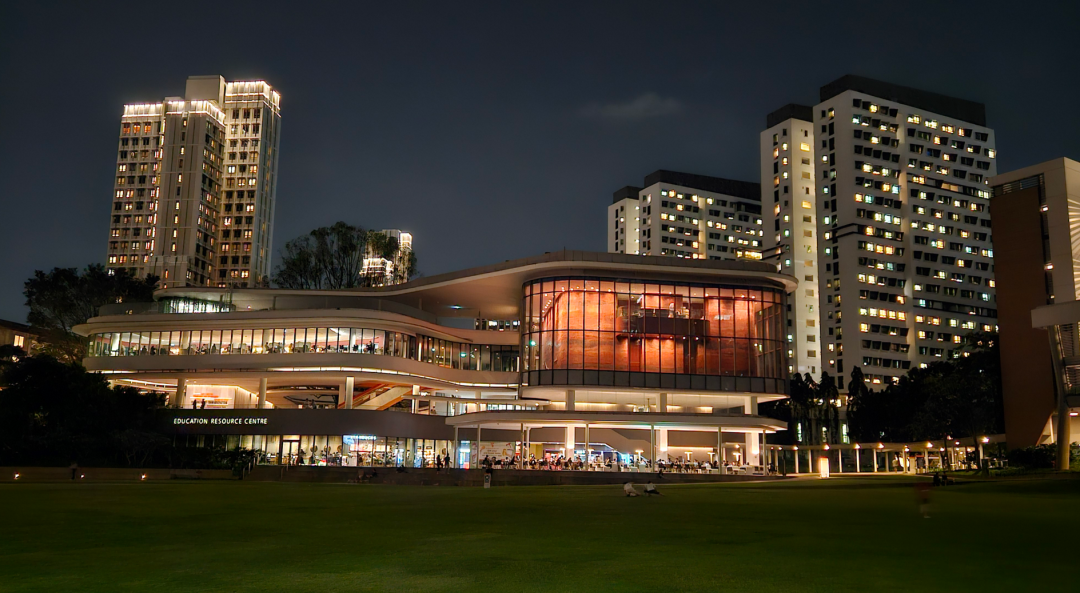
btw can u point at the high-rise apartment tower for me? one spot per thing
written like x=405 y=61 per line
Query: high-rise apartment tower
x=193 y=200
x=788 y=198
x=899 y=213
x=685 y=215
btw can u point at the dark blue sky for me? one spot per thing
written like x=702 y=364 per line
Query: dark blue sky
x=490 y=131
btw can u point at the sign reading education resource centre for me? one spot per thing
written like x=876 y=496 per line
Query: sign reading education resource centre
x=221 y=421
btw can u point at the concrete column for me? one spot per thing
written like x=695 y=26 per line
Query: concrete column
x=570 y=403
x=181 y=392
x=753 y=405
x=457 y=444
x=347 y=392
x=720 y=448
x=414 y=405
x=528 y=442
x=723 y=450
x=858 y=466
x=479 y=396
x=262 y=393
x=570 y=439
x=662 y=442
x=796 y=451
x=662 y=408
x=839 y=460
x=476 y=447
x=652 y=445
x=875 y=460
x=586 y=447
x=748 y=454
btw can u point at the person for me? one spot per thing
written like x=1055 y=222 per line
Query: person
x=74 y=467
x=202 y=406
x=922 y=496
x=438 y=464
x=446 y=461
x=650 y=489
x=628 y=488
x=194 y=404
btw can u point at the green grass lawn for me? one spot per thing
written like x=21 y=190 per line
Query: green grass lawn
x=836 y=535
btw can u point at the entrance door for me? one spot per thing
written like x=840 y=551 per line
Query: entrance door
x=289 y=451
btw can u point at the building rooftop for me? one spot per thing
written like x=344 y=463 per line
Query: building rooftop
x=14 y=326
x=623 y=193
x=492 y=291
x=717 y=185
x=961 y=109
x=789 y=111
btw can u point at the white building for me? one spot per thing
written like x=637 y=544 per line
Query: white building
x=904 y=246
x=689 y=216
x=393 y=266
x=789 y=211
x=178 y=208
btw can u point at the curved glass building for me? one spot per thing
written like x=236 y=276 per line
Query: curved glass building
x=593 y=356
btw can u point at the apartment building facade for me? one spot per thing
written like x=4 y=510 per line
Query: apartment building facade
x=905 y=257
x=687 y=216
x=789 y=211
x=388 y=261
x=174 y=209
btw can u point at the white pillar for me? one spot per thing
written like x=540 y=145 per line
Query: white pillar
x=586 y=447
x=570 y=438
x=750 y=442
x=875 y=460
x=839 y=460
x=570 y=397
x=262 y=393
x=652 y=445
x=476 y=447
x=457 y=444
x=752 y=408
x=858 y=466
x=796 y=460
x=662 y=442
x=181 y=392
x=662 y=408
x=347 y=392
x=720 y=448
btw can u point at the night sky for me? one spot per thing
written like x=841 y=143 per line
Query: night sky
x=490 y=131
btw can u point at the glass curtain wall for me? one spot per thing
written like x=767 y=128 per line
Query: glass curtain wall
x=308 y=340
x=578 y=323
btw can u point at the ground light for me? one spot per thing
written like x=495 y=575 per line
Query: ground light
x=17 y=475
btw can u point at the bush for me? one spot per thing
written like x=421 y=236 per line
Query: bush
x=1037 y=457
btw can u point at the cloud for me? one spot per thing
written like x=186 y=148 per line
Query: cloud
x=645 y=106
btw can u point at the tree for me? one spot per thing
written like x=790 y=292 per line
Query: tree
x=63 y=298
x=828 y=407
x=960 y=397
x=53 y=413
x=326 y=258
x=333 y=258
x=864 y=418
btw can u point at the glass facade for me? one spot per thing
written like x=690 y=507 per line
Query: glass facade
x=328 y=450
x=663 y=328
x=300 y=340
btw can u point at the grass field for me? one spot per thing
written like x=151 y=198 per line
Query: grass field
x=836 y=535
